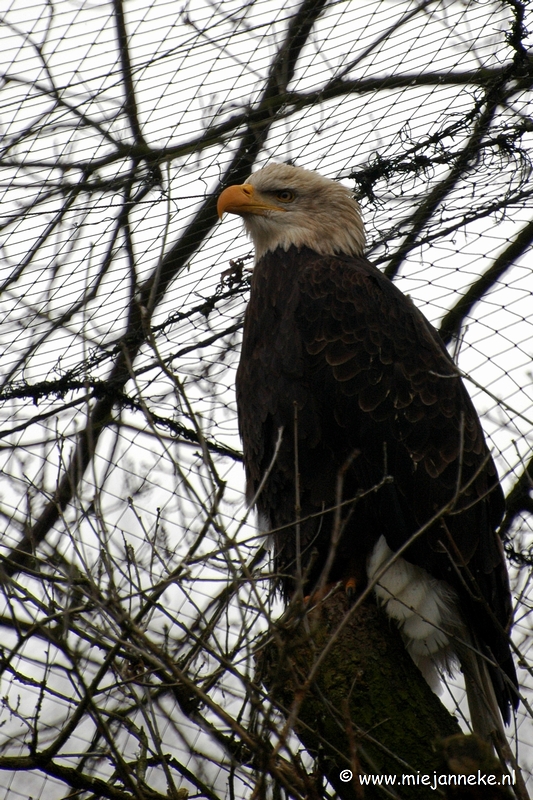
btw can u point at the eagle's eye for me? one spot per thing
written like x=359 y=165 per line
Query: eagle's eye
x=285 y=196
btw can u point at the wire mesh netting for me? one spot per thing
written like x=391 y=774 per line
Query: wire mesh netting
x=135 y=585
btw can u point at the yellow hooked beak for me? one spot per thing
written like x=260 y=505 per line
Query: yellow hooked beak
x=243 y=200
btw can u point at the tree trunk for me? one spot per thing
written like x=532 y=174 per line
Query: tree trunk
x=367 y=709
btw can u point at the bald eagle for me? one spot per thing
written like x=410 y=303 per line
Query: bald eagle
x=360 y=438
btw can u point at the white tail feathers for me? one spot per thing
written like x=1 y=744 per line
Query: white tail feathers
x=435 y=635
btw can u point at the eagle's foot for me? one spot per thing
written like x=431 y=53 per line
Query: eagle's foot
x=319 y=594
x=350 y=586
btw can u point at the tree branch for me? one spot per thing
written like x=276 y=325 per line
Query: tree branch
x=453 y=320
x=368 y=703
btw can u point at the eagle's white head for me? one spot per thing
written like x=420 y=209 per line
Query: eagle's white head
x=283 y=206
